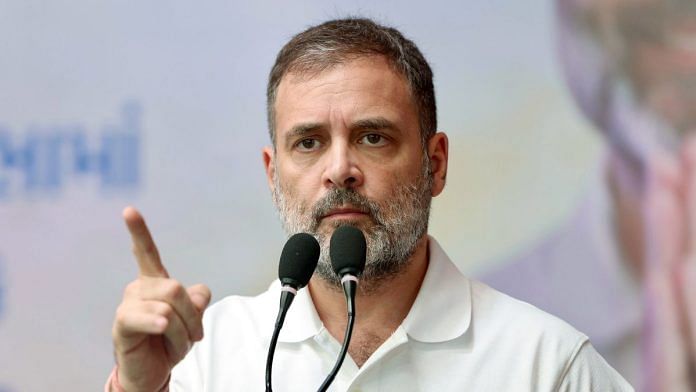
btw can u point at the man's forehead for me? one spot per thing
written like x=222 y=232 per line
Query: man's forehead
x=371 y=84
x=298 y=75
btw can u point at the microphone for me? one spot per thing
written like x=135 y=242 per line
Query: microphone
x=297 y=263
x=348 y=251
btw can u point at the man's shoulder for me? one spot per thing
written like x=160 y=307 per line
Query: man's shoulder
x=496 y=315
x=530 y=344
x=507 y=319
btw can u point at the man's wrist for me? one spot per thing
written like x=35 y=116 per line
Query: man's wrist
x=113 y=385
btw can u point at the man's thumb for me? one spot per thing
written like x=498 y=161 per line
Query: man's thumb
x=200 y=296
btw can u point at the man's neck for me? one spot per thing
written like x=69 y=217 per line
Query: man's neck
x=379 y=311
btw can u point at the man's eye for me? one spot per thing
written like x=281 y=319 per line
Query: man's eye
x=308 y=144
x=373 y=139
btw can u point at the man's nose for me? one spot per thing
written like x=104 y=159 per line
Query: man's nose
x=342 y=169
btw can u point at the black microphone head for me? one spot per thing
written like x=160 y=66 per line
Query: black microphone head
x=348 y=251
x=298 y=260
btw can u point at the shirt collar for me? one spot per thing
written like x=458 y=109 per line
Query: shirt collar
x=302 y=321
x=441 y=311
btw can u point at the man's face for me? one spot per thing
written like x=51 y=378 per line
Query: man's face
x=348 y=151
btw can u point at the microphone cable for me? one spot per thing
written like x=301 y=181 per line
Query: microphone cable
x=348 y=251
x=349 y=288
x=297 y=263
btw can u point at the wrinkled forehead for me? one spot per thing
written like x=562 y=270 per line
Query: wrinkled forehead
x=306 y=71
x=371 y=78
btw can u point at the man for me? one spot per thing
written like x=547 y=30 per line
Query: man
x=623 y=269
x=352 y=118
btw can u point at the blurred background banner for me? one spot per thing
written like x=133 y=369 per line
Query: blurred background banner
x=162 y=105
x=622 y=267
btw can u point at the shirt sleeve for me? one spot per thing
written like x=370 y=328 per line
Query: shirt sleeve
x=587 y=371
x=186 y=376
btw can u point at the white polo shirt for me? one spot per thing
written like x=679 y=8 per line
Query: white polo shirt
x=460 y=335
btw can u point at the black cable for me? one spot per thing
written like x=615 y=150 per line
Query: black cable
x=297 y=263
x=349 y=287
x=285 y=301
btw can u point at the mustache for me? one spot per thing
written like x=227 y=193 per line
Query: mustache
x=338 y=197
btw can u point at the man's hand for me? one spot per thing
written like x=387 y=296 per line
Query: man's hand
x=158 y=319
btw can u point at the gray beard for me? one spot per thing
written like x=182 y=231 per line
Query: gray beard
x=392 y=237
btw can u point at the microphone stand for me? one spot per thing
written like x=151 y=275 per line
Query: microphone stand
x=297 y=263
x=350 y=284
x=286 y=297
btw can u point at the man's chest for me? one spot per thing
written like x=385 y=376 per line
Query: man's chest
x=363 y=345
x=399 y=363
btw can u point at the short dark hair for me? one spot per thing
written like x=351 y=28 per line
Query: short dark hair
x=335 y=42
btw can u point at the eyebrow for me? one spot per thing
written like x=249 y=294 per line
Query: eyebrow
x=375 y=123
x=303 y=129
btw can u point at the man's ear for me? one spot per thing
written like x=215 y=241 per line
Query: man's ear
x=269 y=165
x=438 y=150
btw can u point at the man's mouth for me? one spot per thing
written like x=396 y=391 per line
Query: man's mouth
x=345 y=213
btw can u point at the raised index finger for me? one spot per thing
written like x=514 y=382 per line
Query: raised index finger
x=144 y=248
